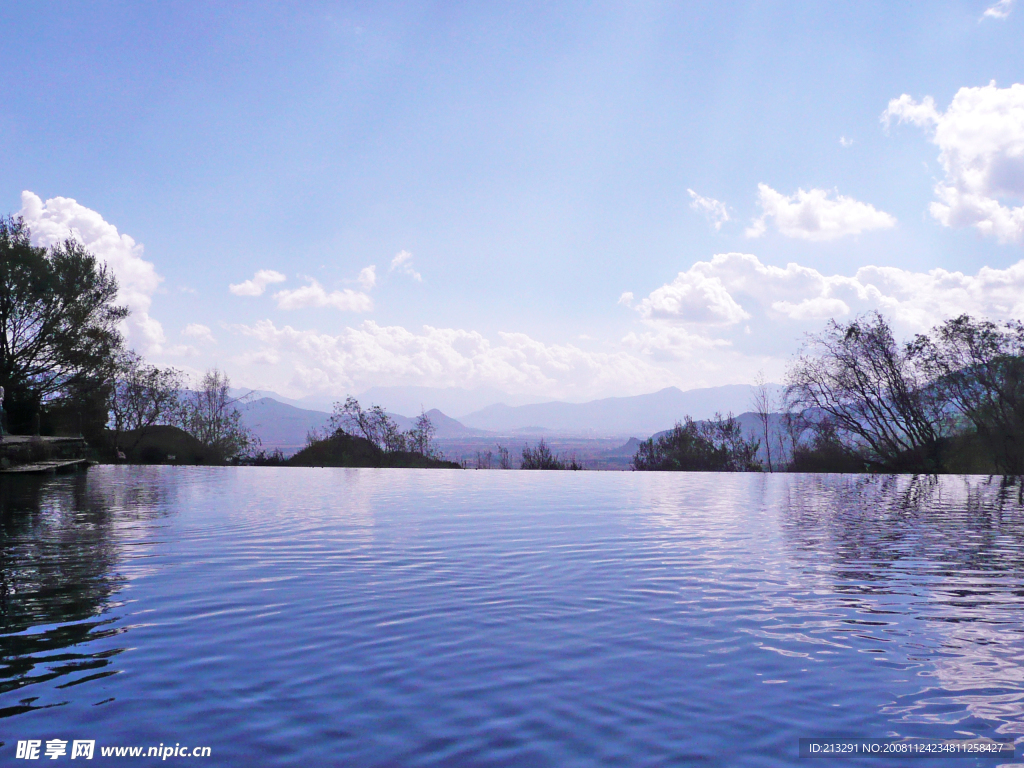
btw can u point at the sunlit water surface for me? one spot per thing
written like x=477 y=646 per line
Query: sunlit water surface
x=286 y=616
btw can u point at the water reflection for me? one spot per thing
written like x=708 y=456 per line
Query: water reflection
x=59 y=580
x=366 y=617
x=926 y=571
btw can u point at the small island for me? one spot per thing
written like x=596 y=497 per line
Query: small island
x=345 y=450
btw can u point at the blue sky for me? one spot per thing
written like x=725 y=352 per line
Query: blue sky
x=538 y=188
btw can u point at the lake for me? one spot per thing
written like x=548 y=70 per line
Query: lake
x=389 y=617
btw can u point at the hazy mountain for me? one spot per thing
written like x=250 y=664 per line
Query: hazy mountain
x=283 y=426
x=447 y=427
x=640 y=415
x=308 y=403
x=451 y=400
x=410 y=401
x=279 y=425
x=628 y=450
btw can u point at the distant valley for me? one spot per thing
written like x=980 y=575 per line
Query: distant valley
x=592 y=428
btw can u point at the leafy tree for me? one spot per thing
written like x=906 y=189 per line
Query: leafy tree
x=978 y=370
x=824 y=452
x=141 y=396
x=873 y=393
x=376 y=426
x=717 y=445
x=373 y=424
x=58 y=324
x=420 y=439
x=211 y=415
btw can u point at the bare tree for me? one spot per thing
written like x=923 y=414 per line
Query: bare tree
x=211 y=415
x=504 y=460
x=871 y=391
x=763 y=403
x=141 y=395
x=792 y=427
x=483 y=459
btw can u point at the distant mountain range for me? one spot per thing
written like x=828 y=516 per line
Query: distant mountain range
x=640 y=415
x=279 y=425
x=455 y=401
x=322 y=403
x=284 y=425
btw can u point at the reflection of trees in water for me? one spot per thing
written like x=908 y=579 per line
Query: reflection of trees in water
x=58 y=571
x=868 y=524
x=947 y=553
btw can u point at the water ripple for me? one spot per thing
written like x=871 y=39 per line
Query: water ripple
x=406 y=617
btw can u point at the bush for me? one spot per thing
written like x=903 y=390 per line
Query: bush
x=712 y=446
x=541 y=457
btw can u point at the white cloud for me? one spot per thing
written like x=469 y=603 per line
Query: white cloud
x=314 y=295
x=61 y=217
x=442 y=357
x=693 y=297
x=907 y=110
x=626 y=299
x=817 y=308
x=199 y=332
x=367 y=277
x=998 y=11
x=265 y=356
x=845 y=142
x=981 y=142
x=718 y=322
x=812 y=215
x=258 y=284
x=671 y=343
x=713 y=210
x=915 y=301
x=403 y=263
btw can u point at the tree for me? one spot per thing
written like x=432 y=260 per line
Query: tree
x=504 y=460
x=978 y=369
x=873 y=393
x=763 y=403
x=373 y=424
x=540 y=458
x=141 y=395
x=717 y=445
x=211 y=416
x=58 y=323
x=824 y=452
x=420 y=439
x=376 y=426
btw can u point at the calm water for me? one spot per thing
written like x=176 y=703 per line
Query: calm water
x=408 y=617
